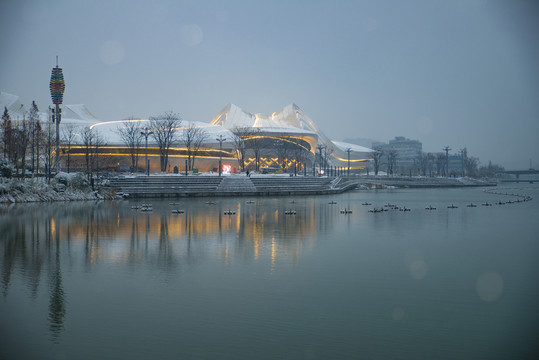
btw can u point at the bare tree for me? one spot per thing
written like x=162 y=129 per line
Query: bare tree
x=300 y=154
x=241 y=133
x=254 y=142
x=98 y=144
x=33 y=126
x=470 y=164
x=430 y=162
x=282 y=148
x=21 y=141
x=490 y=170
x=87 y=141
x=192 y=137
x=440 y=163
x=391 y=161
x=51 y=131
x=377 y=159
x=92 y=143
x=39 y=142
x=328 y=153
x=7 y=134
x=164 y=128
x=421 y=162
x=130 y=132
x=68 y=138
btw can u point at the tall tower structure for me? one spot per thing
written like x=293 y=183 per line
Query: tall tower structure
x=446 y=149
x=57 y=88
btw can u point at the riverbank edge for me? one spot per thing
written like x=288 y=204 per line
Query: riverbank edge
x=30 y=193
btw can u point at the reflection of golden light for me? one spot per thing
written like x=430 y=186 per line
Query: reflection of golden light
x=273 y=250
x=256 y=229
x=226 y=253
x=53 y=226
x=256 y=244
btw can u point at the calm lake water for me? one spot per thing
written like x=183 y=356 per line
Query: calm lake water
x=104 y=281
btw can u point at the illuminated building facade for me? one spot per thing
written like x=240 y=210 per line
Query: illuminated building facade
x=288 y=139
x=293 y=128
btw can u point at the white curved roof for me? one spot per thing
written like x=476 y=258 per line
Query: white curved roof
x=109 y=130
x=288 y=120
x=345 y=146
x=13 y=105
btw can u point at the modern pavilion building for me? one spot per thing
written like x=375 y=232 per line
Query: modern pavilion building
x=286 y=139
x=287 y=132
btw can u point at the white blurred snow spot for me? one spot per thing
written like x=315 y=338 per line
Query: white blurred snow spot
x=191 y=34
x=418 y=269
x=489 y=286
x=112 y=52
x=415 y=264
x=397 y=313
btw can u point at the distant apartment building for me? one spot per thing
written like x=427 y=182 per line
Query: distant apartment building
x=407 y=150
x=456 y=165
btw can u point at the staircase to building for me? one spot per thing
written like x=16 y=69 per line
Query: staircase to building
x=166 y=186
x=236 y=184
x=295 y=184
x=179 y=186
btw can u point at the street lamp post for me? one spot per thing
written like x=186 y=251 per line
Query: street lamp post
x=221 y=138
x=146 y=133
x=463 y=160
x=325 y=159
x=320 y=147
x=348 y=151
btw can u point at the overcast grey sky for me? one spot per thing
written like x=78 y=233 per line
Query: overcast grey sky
x=457 y=73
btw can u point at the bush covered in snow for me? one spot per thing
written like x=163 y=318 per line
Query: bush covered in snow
x=6 y=169
x=76 y=181
x=63 y=187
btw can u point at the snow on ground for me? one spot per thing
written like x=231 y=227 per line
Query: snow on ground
x=38 y=190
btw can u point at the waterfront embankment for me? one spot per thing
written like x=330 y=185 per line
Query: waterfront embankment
x=74 y=187
x=421 y=182
x=64 y=187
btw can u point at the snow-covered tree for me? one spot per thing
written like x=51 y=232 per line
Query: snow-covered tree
x=68 y=138
x=192 y=138
x=131 y=133
x=7 y=134
x=164 y=128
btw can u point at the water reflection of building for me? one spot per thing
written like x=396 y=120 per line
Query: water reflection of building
x=43 y=242
x=33 y=244
x=112 y=232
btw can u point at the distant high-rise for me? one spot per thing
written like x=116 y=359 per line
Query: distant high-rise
x=407 y=150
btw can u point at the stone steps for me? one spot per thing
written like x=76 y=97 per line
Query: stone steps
x=177 y=186
x=236 y=184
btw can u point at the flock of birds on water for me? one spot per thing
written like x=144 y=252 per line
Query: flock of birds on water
x=148 y=207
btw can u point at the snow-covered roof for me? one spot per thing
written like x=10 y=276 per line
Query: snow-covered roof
x=13 y=105
x=290 y=119
x=344 y=146
x=78 y=112
x=109 y=131
x=287 y=119
x=78 y=115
